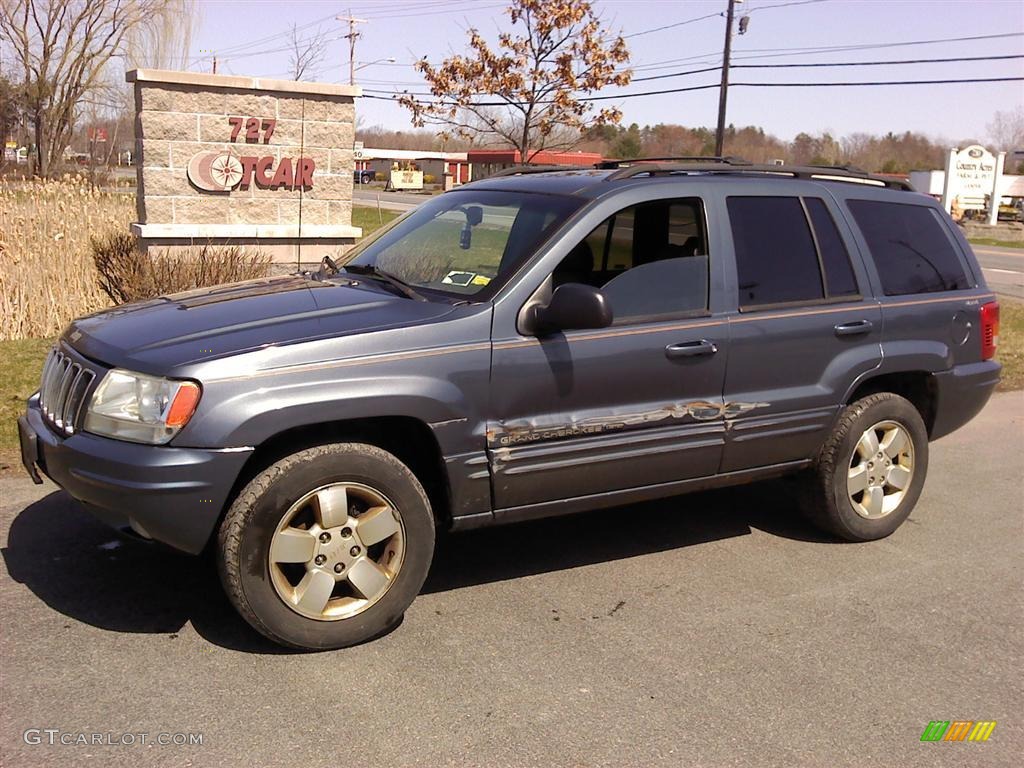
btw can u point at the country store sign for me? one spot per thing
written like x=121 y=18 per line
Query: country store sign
x=974 y=170
x=222 y=171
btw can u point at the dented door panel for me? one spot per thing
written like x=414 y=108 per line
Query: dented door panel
x=588 y=412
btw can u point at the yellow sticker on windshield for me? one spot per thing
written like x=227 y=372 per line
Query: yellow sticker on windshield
x=481 y=280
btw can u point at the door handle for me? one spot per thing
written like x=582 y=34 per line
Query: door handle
x=854 y=329
x=691 y=349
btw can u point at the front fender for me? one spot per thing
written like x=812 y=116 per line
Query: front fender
x=250 y=416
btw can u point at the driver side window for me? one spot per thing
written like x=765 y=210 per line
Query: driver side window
x=649 y=260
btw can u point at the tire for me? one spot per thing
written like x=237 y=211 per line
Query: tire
x=355 y=506
x=842 y=465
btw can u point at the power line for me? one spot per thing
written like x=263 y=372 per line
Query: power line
x=783 y=5
x=841 y=84
x=765 y=53
x=715 y=15
x=269 y=38
x=893 y=62
x=672 y=26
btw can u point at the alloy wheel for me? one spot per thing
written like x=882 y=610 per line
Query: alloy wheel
x=337 y=551
x=881 y=469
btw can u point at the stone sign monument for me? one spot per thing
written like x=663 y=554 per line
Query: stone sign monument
x=244 y=161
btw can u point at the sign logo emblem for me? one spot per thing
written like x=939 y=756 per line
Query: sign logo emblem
x=213 y=172
x=224 y=171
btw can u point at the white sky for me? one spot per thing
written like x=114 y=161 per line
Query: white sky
x=408 y=29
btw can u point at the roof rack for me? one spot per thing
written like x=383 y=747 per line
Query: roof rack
x=628 y=162
x=812 y=172
x=517 y=170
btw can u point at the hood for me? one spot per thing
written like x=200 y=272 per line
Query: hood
x=225 y=320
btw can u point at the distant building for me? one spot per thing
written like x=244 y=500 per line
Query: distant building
x=488 y=161
x=435 y=164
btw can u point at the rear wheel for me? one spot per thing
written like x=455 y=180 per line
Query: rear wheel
x=327 y=548
x=870 y=472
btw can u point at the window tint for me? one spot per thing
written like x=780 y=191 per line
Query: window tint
x=776 y=260
x=912 y=252
x=839 y=277
x=649 y=260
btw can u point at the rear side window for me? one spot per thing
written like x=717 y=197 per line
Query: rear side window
x=776 y=260
x=834 y=259
x=910 y=248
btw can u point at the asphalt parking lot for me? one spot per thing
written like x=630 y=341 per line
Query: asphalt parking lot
x=715 y=629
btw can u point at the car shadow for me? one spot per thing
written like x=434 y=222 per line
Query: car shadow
x=83 y=570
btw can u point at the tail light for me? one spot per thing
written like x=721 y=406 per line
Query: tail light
x=989 y=329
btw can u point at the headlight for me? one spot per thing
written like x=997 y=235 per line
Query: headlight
x=140 y=408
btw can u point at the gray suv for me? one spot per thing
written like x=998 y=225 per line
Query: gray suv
x=533 y=344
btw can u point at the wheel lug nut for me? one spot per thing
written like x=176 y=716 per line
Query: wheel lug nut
x=871 y=465
x=346 y=532
x=325 y=537
x=320 y=560
x=354 y=551
x=339 y=567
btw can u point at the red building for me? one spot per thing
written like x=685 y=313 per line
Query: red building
x=488 y=161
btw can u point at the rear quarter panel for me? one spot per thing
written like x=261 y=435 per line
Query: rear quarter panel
x=930 y=332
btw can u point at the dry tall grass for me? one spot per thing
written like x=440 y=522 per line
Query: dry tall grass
x=47 y=274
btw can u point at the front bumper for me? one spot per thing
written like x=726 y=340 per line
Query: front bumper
x=172 y=495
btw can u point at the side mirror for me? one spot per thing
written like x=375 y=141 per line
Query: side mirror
x=573 y=306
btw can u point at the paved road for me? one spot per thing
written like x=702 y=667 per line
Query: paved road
x=715 y=629
x=392 y=201
x=1003 y=268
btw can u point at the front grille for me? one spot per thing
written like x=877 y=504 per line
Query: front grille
x=62 y=391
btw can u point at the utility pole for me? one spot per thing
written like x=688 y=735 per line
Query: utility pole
x=215 y=64
x=351 y=37
x=724 y=91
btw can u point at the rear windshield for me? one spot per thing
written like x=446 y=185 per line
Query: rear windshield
x=468 y=242
x=910 y=247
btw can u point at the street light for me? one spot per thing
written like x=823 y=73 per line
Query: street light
x=388 y=60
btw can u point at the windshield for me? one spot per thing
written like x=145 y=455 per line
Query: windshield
x=465 y=243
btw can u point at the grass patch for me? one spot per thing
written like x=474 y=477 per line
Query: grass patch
x=369 y=219
x=997 y=243
x=1011 y=343
x=20 y=369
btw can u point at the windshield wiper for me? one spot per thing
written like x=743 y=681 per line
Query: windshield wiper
x=372 y=270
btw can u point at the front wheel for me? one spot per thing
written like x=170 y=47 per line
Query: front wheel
x=327 y=547
x=871 y=470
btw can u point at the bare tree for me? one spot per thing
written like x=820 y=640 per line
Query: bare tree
x=63 y=49
x=306 y=53
x=1006 y=130
x=163 y=41
x=534 y=85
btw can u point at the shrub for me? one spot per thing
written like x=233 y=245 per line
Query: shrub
x=378 y=176
x=429 y=178
x=127 y=274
